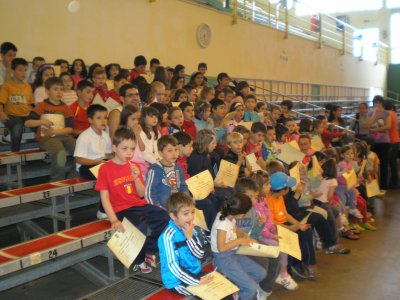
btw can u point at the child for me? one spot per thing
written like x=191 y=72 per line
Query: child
x=180 y=95
x=93 y=145
x=251 y=115
x=78 y=108
x=8 y=52
x=236 y=155
x=36 y=63
x=188 y=116
x=112 y=71
x=175 y=117
x=269 y=147
x=244 y=132
x=16 y=101
x=99 y=81
x=150 y=134
x=202 y=111
x=78 y=70
x=162 y=117
x=218 y=112
x=262 y=111
x=185 y=149
x=45 y=72
x=274 y=116
x=253 y=145
x=159 y=89
x=121 y=188
x=64 y=65
x=286 y=107
x=180 y=247
x=130 y=118
x=119 y=81
x=69 y=89
x=57 y=141
x=372 y=166
x=293 y=131
x=304 y=142
x=140 y=63
x=238 y=117
x=226 y=237
x=165 y=177
x=229 y=94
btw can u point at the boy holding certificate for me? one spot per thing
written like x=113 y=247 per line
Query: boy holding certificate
x=180 y=248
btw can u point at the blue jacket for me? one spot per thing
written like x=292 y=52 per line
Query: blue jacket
x=179 y=257
x=158 y=184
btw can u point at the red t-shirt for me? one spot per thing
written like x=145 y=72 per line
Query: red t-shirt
x=114 y=95
x=190 y=128
x=81 y=121
x=118 y=181
x=249 y=147
x=134 y=74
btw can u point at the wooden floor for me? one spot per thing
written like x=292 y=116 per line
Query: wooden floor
x=370 y=272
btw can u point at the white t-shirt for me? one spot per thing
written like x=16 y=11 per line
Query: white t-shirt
x=150 y=153
x=40 y=94
x=226 y=225
x=92 y=146
x=324 y=187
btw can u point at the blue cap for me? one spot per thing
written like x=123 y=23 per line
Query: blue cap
x=280 y=180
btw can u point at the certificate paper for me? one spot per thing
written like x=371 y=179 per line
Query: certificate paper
x=200 y=185
x=227 y=174
x=251 y=159
x=351 y=179
x=259 y=250
x=58 y=121
x=316 y=168
x=373 y=188
x=246 y=124
x=295 y=173
x=289 y=242
x=289 y=154
x=95 y=170
x=127 y=245
x=219 y=288
x=316 y=143
x=199 y=219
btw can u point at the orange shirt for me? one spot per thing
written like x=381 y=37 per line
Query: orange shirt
x=276 y=206
x=17 y=98
x=394 y=130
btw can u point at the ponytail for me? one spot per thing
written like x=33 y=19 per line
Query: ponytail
x=238 y=204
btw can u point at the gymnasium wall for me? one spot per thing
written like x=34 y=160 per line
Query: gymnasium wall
x=117 y=30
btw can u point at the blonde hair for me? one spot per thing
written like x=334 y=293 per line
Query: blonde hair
x=234 y=137
x=157 y=85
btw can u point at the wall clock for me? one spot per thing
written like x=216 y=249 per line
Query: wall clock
x=203 y=35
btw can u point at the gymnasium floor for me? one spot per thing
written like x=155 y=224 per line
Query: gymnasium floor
x=370 y=272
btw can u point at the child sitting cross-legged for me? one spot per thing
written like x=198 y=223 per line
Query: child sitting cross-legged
x=180 y=248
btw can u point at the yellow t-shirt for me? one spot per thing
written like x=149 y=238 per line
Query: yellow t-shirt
x=16 y=98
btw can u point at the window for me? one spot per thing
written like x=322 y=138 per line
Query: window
x=310 y=7
x=392 y=3
x=395 y=38
x=365 y=43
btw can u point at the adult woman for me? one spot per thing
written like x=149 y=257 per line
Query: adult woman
x=394 y=144
x=379 y=123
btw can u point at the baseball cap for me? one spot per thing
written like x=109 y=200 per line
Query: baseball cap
x=280 y=180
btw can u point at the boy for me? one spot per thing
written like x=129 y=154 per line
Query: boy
x=36 y=63
x=188 y=115
x=293 y=131
x=16 y=102
x=8 y=52
x=54 y=138
x=185 y=148
x=253 y=145
x=236 y=155
x=119 y=81
x=165 y=177
x=286 y=107
x=180 y=248
x=93 y=145
x=274 y=116
x=251 y=115
x=202 y=68
x=218 y=112
x=99 y=81
x=140 y=63
x=84 y=92
x=223 y=81
x=228 y=96
x=268 y=147
x=121 y=188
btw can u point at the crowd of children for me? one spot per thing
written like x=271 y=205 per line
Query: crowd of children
x=151 y=132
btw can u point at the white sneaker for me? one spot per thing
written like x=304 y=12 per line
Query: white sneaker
x=262 y=295
x=101 y=216
x=356 y=213
x=6 y=139
x=287 y=282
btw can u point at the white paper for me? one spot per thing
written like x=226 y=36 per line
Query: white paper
x=227 y=174
x=256 y=249
x=290 y=154
x=58 y=121
x=251 y=159
x=201 y=185
x=289 y=242
x=373 y=188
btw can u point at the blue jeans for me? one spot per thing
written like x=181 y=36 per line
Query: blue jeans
x=242 y=271
x=348 y=197
x=15 y=126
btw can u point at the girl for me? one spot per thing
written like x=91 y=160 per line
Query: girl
x=262 y=111
x=180 y=95
x=78 y=70
x=197 y=80
x=177 y=82
x=93 y=68
x=293 y=130
x=160 y=75
x=69 y=96
x=202 y=118
x=130 y=118
x=237 y=118
x=112 y=70
x=175 y=117
x=335 y=118
x=329 y=133
x=162 y=117
x=45 y=72
x=149 y=122
x=226 y=238
x=207 y=94
x=147 y=94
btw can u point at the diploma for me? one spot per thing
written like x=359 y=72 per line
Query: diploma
x=246 y=124
x=316 y=143
x=200 y=185
x=175 y=104
x=289 y=154
x=58 y=121
x=251 y=159
x=227 y=174
x=199 y=219
x=95 y=170
x=316 y=168
x=111 y=104
x=259 y=250
x=289 y=242
x=295 y=173
x=351 y=178
x=373 y=188
x=218 y=288
x=294 y=144
x=127 y=245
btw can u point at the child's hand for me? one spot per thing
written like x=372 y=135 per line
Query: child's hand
x=206 y=279
x=257 y=149
x=48 y=132
x=47 y=123
x=317 y=194
x=304 y=227
x=245 y=241
x=135 y=170
x=188 y=230
x=136 y=129
x=275 y=237
x=4 y=117
x=117 y=226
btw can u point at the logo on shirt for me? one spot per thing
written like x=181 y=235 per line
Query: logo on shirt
x=17 y=99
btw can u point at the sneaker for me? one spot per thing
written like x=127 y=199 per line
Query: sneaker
x=143 y=267
x=312 y=274
x=151 y=260
x=261 y=295
x=368 y=226
x=6 y=139
x=287 y=282
x=336 y=250
x=101 y=216
x=299 y=272
x=355 y=212
x=348 y=234
x=357 y=227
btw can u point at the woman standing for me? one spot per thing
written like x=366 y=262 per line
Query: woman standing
x=394 y=144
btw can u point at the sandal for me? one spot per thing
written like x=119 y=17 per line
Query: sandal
x=349 y=235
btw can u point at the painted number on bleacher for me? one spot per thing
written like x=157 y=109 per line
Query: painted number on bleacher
x=53 y=254
x=46 y=194
x=107 y=235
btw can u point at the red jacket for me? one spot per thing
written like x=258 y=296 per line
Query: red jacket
x=190 y=128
